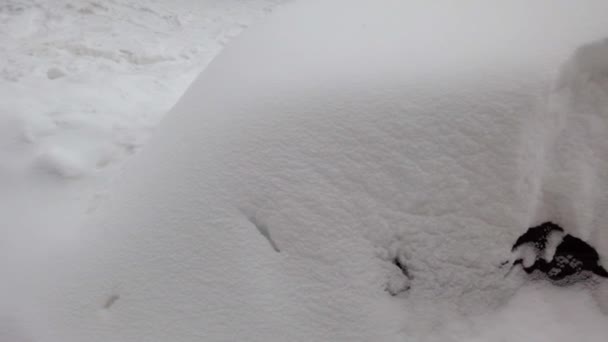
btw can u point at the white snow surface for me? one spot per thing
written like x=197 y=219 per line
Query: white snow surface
x=319 y=146
x=82 y=86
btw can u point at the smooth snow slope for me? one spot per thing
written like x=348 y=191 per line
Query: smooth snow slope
x=82 y=86
x=333 y=138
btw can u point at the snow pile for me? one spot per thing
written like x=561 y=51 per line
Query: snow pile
x=330 y=141
x=83 y=84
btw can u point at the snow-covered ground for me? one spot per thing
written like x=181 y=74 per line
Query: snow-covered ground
x=330 y=140
x=82 y=86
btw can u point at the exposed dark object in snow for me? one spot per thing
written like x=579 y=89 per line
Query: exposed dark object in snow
x=537 y=235
x=571 y=260
x=402 y=267
x=399 y=278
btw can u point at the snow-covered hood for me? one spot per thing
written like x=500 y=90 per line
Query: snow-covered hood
x=326 y=141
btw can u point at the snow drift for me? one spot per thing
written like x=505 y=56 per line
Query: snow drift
x=328 y=142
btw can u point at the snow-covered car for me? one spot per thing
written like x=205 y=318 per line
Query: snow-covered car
x=357 y=171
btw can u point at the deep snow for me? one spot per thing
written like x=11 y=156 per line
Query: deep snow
x=82 y=86
x=326 y=142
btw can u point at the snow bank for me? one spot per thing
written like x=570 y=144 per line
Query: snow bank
x=84 y=83
x=82 y=86
x=334 y=138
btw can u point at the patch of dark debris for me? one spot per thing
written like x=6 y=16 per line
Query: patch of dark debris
x=400 y=264
x=549 y=252
x=399 y=276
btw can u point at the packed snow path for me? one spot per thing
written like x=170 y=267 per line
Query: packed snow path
x=331 y=140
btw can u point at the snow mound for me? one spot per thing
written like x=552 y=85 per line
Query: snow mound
x=335 y=138
x=83 y=84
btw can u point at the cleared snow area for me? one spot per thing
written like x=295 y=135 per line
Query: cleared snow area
x=322 y=145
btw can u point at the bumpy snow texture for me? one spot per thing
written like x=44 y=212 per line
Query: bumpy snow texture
x=338 y=137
